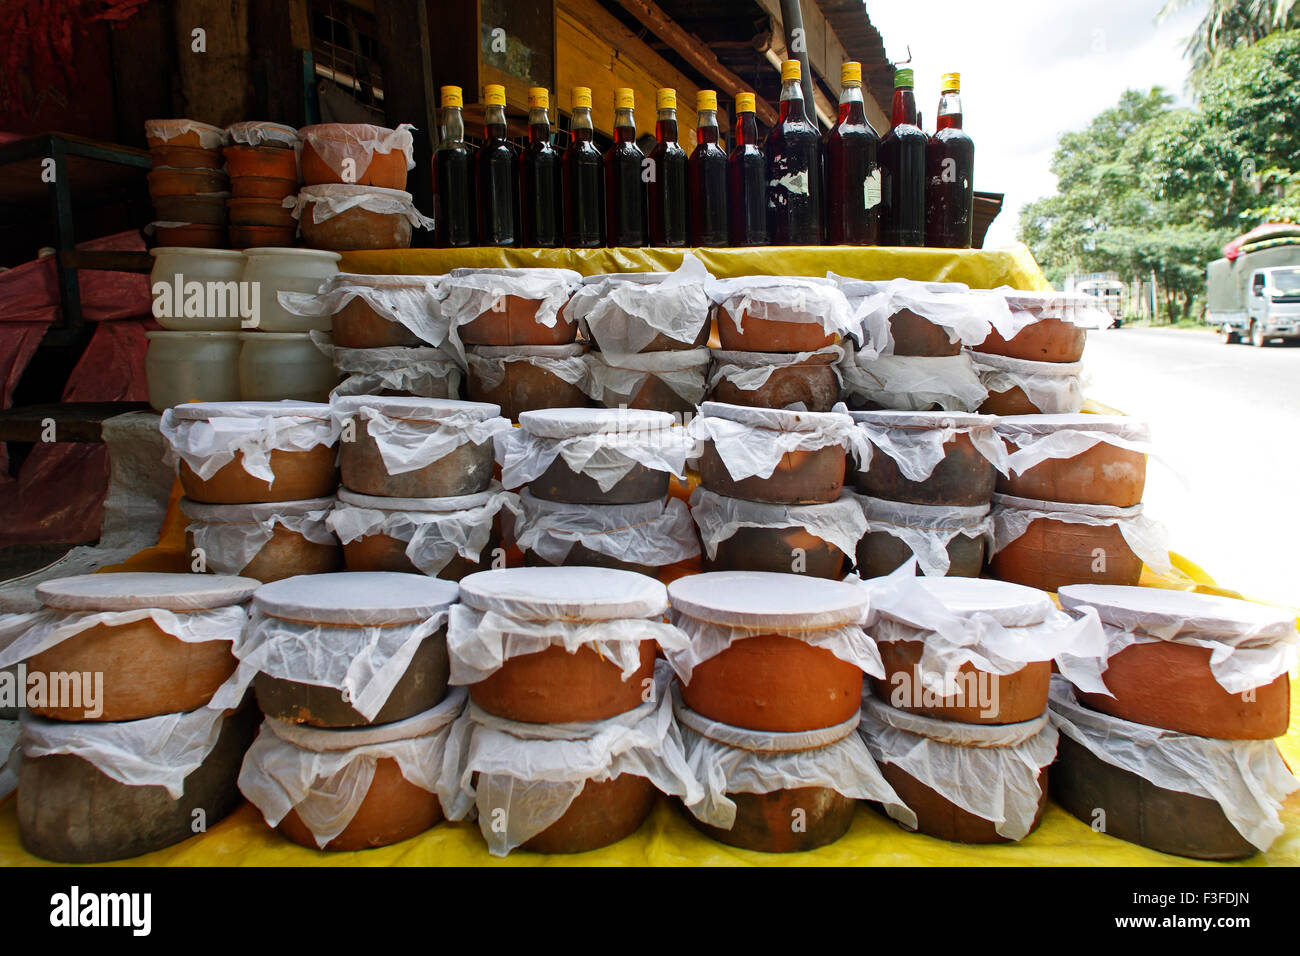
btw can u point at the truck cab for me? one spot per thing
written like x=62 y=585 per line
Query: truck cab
x=1273 y=304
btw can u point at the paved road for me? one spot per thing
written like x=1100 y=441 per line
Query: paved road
x=1227 y=418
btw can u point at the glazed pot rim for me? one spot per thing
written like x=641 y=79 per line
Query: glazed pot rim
x=135 y=590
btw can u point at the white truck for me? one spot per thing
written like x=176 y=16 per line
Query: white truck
x=1255 y=297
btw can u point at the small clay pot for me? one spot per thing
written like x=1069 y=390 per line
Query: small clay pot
x=1102 y=475
x=387 y=170
x=147 y=672
x=422 y=687
x=776 y=683
x=553 y=686
x=268 y=162
x=358 y=326
x=1170 y=685
x=287 y=555
x=1047 y=340
x=939 y=817
x=524 y=388
x=299 y=475
x=260 y=212
x=355 y=228
x=764 y=821
x=185 y=157
x=812 y=384
x=515 y=323
x=262 y=187
x=262 y=237
x=394 y=809
x=559 y=482
x=1051 y=554
x=465 y=471
x=601 y=814
x=880 y=553
x=186 y=182
x=380 y=552
x=195 y=235
x=771 y=334
x=916 y=335
x=1015 y=697
x=1134 y=809
x=202 y=210
x=773 y=549
x=964 y=478
x=801 y=477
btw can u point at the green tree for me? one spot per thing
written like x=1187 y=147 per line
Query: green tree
x=1228 y=25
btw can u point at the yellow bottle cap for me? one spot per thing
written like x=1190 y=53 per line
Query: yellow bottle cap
x=851 y=72
x=706 y=100
x=951 y=83
x=624 y=99
x=790 y=70
x=494 y=94
x=452 y=96
x=539 y=98
x=581 y=96
x=744 y=102
x=666 y=99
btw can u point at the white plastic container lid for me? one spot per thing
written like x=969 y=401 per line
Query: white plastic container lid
x=930 y=420
x=255 y=512
x=416 y=409
x=1011 y=605
x=206 y=411
x=431 y=505
x=767 y=599
x=562 y=423
x=131 y=590
x=1048 y=424
x=1178 y=612
x=774 y=419
x=565 y=593
x=356 y=598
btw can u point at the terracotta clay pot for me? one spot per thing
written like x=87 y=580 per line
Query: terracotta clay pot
x=771 y=549
x=269 y=162
x=763 y=820
x=559 y=482
x=1051 y=554
x=195 y=235
x=515 y=323
x=262 y=237
x=201 y=210
x=555 y=687
x=964 y=478
x=70 y=812
x=286 y=555
x=262 y=187
x=603 y=813
x=1047 y=340
x=358 y=326
x=801 y=478
x=386 y=170
x=260 y=212
x=422 y=687
x=147 y=672
x=1016 y=697
x=355 y=228
x=880 y=553
x=771 y=334
x=1138 y=811
x=465 y=471
x=939 y=817
x=916 y=335
x=1011 y=402
x=813 y=384
x=1103 y=475
x=186 y=182
x=777 y=683
x=299 y=475
x=1170 y=685
x=394 y=809
x=185 y=157
x=524 y=388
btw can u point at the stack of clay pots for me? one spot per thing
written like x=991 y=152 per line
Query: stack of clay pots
x=354 y=195
x=259 y=481
x=908 y=338
x=925 y=481
x=1167 y=728
x=351 y=672
x=1030 y=362
x=780 y=340
x=1068 y=509
x=770 y=685
x=418 y=494
x=771 y=495
x=597 y=488
x=958 y=723
x=132 y=747
x=519 y=340
x=649 y=330
x=262 y=162
x=568 y=734
x=187 y=185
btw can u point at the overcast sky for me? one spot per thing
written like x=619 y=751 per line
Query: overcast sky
x=1032 y=69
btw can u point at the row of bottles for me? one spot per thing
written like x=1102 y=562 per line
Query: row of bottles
x=908 y=189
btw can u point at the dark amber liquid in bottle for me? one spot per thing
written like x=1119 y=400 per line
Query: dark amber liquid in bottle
x=453 y=182
x=747 y=186
x=950 y=185
x=708 y=188
x=584 y=193
x=541 y=217
x=902 y=168
x=667 y=187
x=853 y=179
x=794 y=177
x=498 y=189
x=625 y=192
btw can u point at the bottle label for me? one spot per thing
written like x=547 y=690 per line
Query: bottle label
x=793 y=182
x=871 y=190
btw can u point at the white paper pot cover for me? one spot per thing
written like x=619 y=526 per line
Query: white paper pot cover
x=1012 y=517
x=208 y=435
x=1026 y=307
x=784 y=298
x=1041 y=437
x=1051 y=387
x=333 y=199
x=915 y=440
x=749 y=371
x=420 y=372
x=927 y=530
x=651 y=533
x=752 y=441
x=465 y=294
x=566 y=362
x=616 y=381
x=965 y=314
x=412 y=433
x=230 y=536
x=409 y=301
x=334 y=143
x=990 y=771
x=626 y=312
x=840 y=523
x=912 y=382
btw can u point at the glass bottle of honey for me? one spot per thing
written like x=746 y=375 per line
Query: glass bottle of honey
x=707 y=170
x=950 y=180
x=852 y=168
x=453 y=177
x=498 y=175
x=746 y=180
x=625 y=185
x=794 y=169
x=541 y=219
x=667 y=186
x=584 y=186
x=902 y=168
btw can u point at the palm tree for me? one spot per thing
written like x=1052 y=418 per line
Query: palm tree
x=1228 y=24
